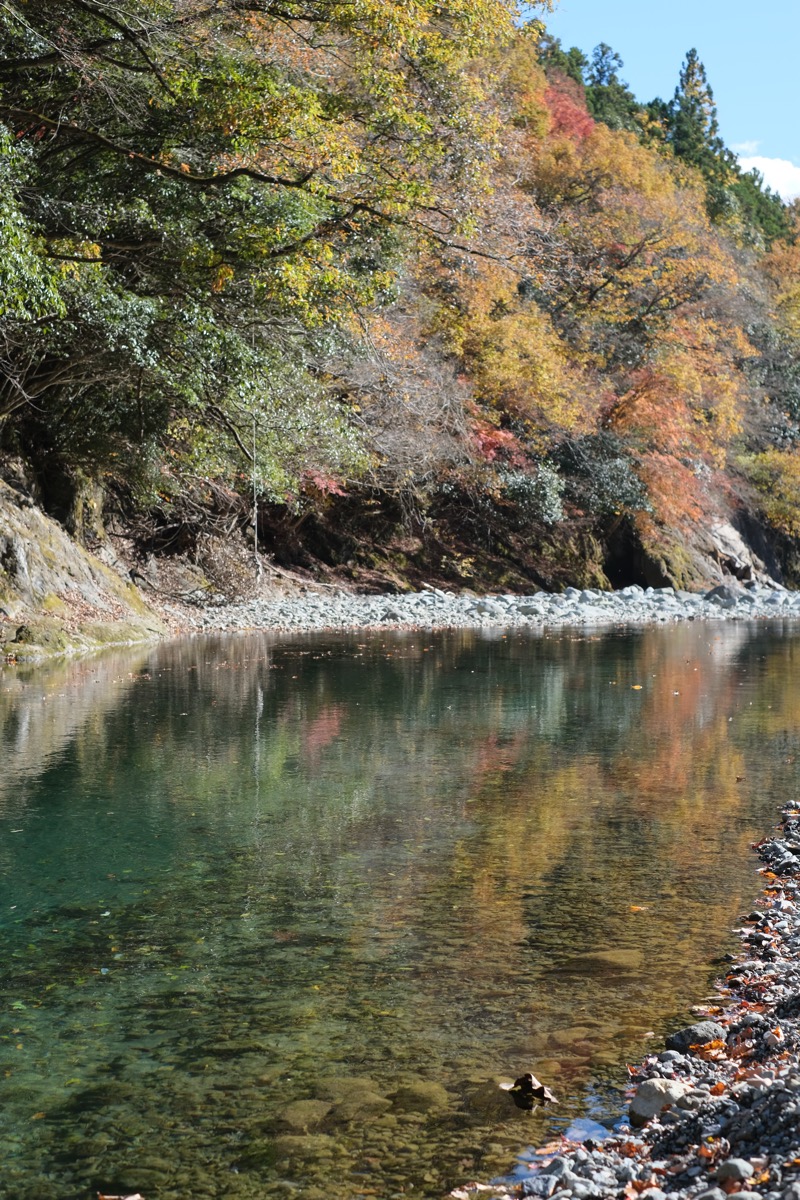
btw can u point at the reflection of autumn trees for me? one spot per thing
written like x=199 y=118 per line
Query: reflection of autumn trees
x=459 y=818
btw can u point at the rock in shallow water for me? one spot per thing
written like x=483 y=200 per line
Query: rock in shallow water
x=421 y=1097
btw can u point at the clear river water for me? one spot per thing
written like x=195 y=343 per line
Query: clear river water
x=274 y=911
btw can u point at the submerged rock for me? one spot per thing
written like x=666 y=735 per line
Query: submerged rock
x=606 y=960
x=421 y=1097
x=304 y=1115
x=493 y=1100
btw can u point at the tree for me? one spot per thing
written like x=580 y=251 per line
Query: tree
x=608 y=98
x=553 y=57
x=204 y=196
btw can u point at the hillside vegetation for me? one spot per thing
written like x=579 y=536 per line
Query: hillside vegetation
x=439 y=295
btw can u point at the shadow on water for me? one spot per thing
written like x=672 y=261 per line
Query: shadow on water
x=273 y=911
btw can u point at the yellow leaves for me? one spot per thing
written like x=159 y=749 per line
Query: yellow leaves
x=222 y=277
x=776 y=474
x=513 y=353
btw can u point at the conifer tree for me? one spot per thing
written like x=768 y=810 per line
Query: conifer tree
x=694 y=130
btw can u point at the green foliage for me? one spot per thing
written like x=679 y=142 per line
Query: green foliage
x=536 y=495
x=608 y=98
x=28 y=286
x=600 y=475
x=212 y=195
x=572 y=63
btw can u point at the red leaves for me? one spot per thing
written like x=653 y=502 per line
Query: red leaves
x=567 y=107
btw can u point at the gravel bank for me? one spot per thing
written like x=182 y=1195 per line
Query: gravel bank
x=717 y=1113
x=436 y=609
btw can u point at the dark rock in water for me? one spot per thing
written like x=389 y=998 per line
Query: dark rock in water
x=528 y=1091
x=695 y=1035
x=493 y=1101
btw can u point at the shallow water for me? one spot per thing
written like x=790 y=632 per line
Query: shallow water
x=240 y=873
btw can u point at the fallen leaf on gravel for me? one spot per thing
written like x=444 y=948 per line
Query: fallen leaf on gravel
x=629 y=1149
x=709 y=1051
x=640 y=1185
x=717 y=1089
x=713 y=1149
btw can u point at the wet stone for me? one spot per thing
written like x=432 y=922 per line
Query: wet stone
x=421 y=1097
x=304 y=1115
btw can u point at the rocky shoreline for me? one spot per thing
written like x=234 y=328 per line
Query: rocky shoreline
x=717 y=1112
x=438 y=609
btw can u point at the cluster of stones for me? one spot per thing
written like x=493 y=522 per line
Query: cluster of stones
x=717 y=1113
x=438 y=609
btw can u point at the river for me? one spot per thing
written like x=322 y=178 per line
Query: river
x=273 y=910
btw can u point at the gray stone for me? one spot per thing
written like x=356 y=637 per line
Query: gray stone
x=695 y=1035
x=541 y=1185
x=734 y=1168
x=725 y=592
x=652 y=1096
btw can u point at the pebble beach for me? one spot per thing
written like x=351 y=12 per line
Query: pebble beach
x=434 y=608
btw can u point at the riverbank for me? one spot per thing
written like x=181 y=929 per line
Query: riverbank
x=76 y=629
x=717 y=1112
x=435 y=608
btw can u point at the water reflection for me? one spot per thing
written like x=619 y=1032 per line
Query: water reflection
x=237 y=873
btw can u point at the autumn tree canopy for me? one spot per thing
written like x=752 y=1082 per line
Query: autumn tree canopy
x=407 y=256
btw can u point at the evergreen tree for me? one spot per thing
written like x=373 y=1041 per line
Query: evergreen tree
x=694 y=128
x=608 y=98
x=553 y=57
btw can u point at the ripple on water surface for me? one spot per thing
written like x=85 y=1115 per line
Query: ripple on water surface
x=274 y=911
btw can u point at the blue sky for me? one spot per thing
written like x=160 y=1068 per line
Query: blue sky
x=750 y=53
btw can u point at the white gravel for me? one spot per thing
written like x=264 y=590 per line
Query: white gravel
x=437 y=609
